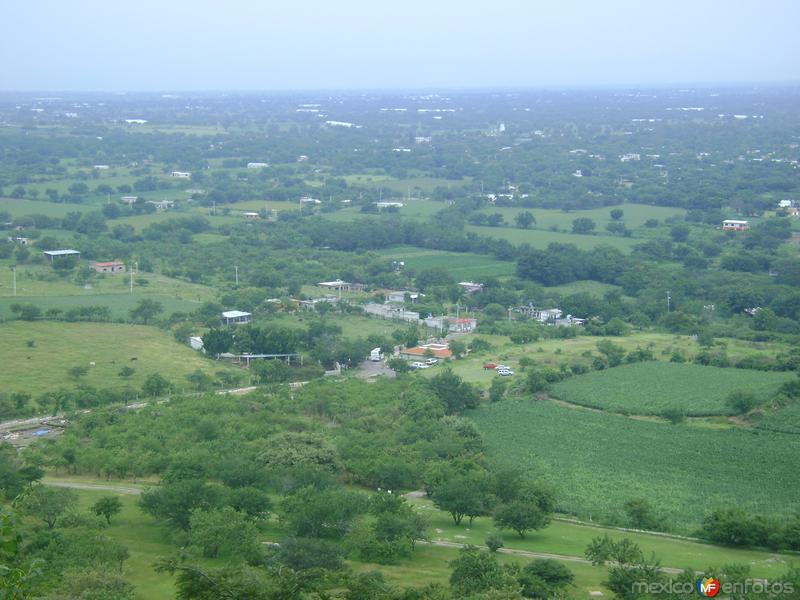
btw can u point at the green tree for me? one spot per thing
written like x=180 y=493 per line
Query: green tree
x=545 y=579
x=126 y=372
x=454 y=393
x=107 y=507
x=477 y=572
x=146 y=310
x=222 y=532
x=468 y=495
x=78 y=371
x=520 y=515
x=742 y=401
x=616 y=214
x=49 y=503
x=524 y=220
x=583 y=225
x=457 y=348
x=155 y=385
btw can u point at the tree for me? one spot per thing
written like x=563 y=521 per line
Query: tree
x=155 y=385
x=126 y=372
x=398 y=365
x=174 y=502
x=78 y=371
x=455 y=394
x=742 y=401
x=545 y=578
x=616 y=214
x=217 y=341
x=467 y=495
x=521 y=515
x=48 y=503
x=475 y=572
x=494 y=542
x=329 y=513
x=107 y=507
x=524 y=220
x=679 y=233
x=457 y=348
x=146 y=310
x=583 y=225
x=641 y=514
x=93 y=583
x=222 y=532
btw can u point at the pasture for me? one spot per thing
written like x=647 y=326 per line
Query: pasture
x=18 y=208
x=634 y=215
x=597 y=461
x=37 y=355
x=650 y=388
x=541 y=238
x=461 y=265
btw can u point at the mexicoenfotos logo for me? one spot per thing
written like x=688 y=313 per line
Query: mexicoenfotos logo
x=707 y=587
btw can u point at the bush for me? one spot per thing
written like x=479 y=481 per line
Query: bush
x=742 y=402
x=494 y=542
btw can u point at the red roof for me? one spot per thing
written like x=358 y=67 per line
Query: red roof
x=421 y=351
x=114 y=263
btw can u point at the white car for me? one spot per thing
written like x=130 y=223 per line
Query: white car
x=501 y=368
x=431 y=361
x=419 y=365
x=505 y=372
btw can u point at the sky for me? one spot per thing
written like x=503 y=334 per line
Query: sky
x=205 y=45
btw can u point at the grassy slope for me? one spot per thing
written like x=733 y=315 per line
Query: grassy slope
x=651 y=387
x=461 y=265
x=541 y=238
x=634 y=215
x=60 y=346
x=598 y=461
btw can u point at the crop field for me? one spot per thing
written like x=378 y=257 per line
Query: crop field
x=598 y=461
x=426 y=185
x=37 y=355
x=634 y=215
x=785 y=419
x=650 y=388
x=541 y=238
x=412 y=209
x=19 y=208
x=461 y=265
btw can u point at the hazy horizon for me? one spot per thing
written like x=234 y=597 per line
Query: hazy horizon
x=182 y=46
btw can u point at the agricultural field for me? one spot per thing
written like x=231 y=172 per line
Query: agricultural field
x=19 y=208
x=786 y=419
x=412 y=209
x=37 y=355
x=598 y=461
x=584 y=286
x=541 y=238
x=650 y=388
x=417 y=185
x=463 y=266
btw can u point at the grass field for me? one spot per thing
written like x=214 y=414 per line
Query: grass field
x=426 y=185
x=461 y=265
x=147 y=541
x=650 y=388
x=634 y=215
x=785 y=419
x=119 y=304
x=541 y=238
x=598 y=461
x=584 y=286
x=18 y=208
x=412 y=209
x=60 y=346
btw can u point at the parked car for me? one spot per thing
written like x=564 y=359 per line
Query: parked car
x=419 y=365
x=431 y=361
x=505 y=372
x=500 y=367
x=490 y=366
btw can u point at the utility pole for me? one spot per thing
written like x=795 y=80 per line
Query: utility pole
x=668 y=300
x=14 y=275
x=236 y=268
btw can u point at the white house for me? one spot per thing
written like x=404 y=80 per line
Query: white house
x=236 y=317
x=543 y=315
x=400 y=296
x=53 y=254
x=180 y=174
x=389 y=204
x=257 y=165
x=471 y=287
x=735 y=225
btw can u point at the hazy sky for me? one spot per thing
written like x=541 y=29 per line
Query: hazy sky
x=312 y=44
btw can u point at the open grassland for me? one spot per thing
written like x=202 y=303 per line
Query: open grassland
x=401 y=187
x=461 y=265
x=583 y=286
x=554 y=353
x=650 y=388
x=598 y=461
x=634 y=215
x=412 y=209
x=58 y=346
x=19 y=208
x=786 y=419
x=540 y=238
x=118 y=304
x=147 y=541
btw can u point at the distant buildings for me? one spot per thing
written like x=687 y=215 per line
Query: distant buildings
x=180 y=174
x=236 y=317
x=391 y=312
x=389 y=204
x=257 y=165
x=471 y=287
x=440 y=351
x=631 y=156
x=162 y=204
x=342 y=286
x=734 y=225
x=113 y=266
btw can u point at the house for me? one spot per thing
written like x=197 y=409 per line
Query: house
x=437 y=350
x=734 y=225
x=196 y=342
x=786 y=204
x=22 y=241
x=543 y=315
x=162 y=204
x=400 y=296
x=129 y=199
x=307 y=200
x=257 y=165
x=341 y=286
x=569 y=321
x=312 y=303
x=629 y=157
x=471 y=287
x=236 y=317
x=180 y=174
x=53 y=254
x=462 y=325
x=102 y=167
x=247 y=214
x=391 y=313
x=389 y=204
x=113 y=266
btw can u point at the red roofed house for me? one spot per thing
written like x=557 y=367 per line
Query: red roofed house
x=114 y=266
x=438 y=351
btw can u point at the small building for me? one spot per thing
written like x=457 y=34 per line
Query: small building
x=543 y=315
x=391 y=312
x=102 y=167
x=196 y=342
x=257 y=165
x=248 y=214
x=471 y=287
x=734 y=225
x=389 y=204
x=180 y=174
x=236 y=317
x=162 y=204
x=462 y=325
x=307 y=200
x=342 y=286
x=113 y=266
x=54 y=254
x=399 y=296
x=129 y=200
x=22 y=241
x=441 y=351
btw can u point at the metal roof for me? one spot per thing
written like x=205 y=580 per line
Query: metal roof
x=233 y=314
x=61 y=252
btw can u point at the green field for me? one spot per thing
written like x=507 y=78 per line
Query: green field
x=583 y=286
x=597 y=461
x=59 y=346
x=634 y=215
x=19 y=208
x=118 y=304
x=461 y=265
x=650 y=388
x=540 y=238
x=785 y=419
